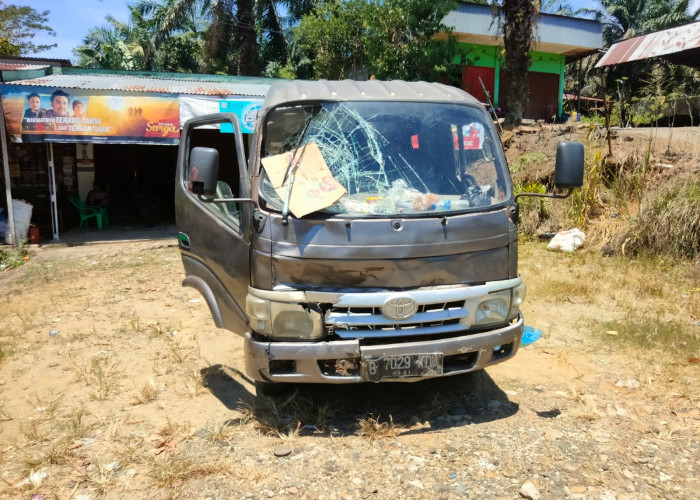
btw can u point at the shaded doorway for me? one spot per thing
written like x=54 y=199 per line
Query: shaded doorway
x=141 y=182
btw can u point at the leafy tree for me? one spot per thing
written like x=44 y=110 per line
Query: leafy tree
x=646 y=79
x=143 y=43
x=517 y=20
x=274 y=46
x=107 y=47
x=7 y=48
x=386 y=39
x=172 y=33
x=334 y=35
x=18 y=27
x=624 y=19
x=402 y=41
x=219 y=36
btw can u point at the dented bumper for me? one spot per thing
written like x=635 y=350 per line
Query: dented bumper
x=341 y=361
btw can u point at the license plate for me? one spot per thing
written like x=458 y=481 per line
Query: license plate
x=379 y=368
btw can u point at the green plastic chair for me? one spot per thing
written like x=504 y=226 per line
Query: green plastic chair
x=87 y=212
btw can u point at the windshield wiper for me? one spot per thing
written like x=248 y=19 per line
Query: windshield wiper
x=290 y=173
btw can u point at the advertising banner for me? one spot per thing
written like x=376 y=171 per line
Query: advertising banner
x=38 y=114
x=247 y=112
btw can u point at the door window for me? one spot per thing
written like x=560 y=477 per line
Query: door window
x=228 y=182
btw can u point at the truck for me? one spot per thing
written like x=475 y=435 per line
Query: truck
x=365 y=232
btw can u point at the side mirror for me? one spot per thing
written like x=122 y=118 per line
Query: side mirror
x=203 y=171
x=568 y=170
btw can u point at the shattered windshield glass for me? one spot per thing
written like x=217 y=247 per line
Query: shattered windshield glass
x=382 y=158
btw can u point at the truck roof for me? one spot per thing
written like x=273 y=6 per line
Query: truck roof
x=369 y=90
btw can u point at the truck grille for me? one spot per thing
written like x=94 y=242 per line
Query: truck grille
x=369 y=322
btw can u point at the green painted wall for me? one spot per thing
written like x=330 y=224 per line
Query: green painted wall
x=492 y=57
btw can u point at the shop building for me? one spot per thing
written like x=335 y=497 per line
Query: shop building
x=559 y=40
x=108 y=137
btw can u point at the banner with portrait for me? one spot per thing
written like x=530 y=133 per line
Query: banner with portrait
x=39 y=114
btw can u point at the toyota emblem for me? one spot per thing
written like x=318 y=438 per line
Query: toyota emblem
x=399 y=308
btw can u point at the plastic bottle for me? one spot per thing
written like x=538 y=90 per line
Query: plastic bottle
x=451 y=205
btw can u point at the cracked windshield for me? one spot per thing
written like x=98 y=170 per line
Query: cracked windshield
x=381 y=158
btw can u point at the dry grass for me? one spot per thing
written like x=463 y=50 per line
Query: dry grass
x=373 y=428
x=652 y=333
x=100 y=376
x=172 y=471
x=88 y=434
x=147 y=393
x=286 y=417
x=670 y=224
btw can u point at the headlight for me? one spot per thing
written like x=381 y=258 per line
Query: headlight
x=493 y=308
x=281 y=320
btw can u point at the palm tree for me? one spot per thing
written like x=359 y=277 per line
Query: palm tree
x=176 y=30
x=110 y=47
x=221 y=36
x=623 y=19
x=517 y=20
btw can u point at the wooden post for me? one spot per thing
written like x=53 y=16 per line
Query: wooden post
x=52 y=191
x=8 y=188
x=578 y=90
x=607 y=112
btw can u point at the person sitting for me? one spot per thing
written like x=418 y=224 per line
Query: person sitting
x=98 y=196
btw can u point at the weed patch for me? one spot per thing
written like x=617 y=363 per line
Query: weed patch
x=286 y=417
x=654 y=333
x=527 y=159
x=671 y=223
x=12 y=257
x=100 y=376
x=373 y=428
x=170 y=471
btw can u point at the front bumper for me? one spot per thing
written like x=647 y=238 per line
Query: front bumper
x=307 y=362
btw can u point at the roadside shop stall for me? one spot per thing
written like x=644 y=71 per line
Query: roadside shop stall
x=108 y=140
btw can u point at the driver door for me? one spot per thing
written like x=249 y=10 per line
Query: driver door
x=214 y=237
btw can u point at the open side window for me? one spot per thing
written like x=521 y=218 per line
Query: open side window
x=231 y=174
x=213 y=233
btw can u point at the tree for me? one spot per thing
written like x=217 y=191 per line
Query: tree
x=18 y=27
x=645 y=79
x=7 y=48
x=240 y=37
x=558 y=7
x=160 y=36
x=108 y=47
x=517 y=20
x=624 y=19
x=386 y=39
x=334 y=35
x=402 y=41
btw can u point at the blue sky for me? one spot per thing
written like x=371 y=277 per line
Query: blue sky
x=72 y=19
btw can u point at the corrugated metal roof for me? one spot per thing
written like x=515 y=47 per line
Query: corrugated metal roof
x=124 y=83
x=18 y=67
x=350 y=90
x=680 y=45
x=46 y=61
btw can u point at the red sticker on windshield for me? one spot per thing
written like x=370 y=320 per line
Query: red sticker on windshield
x=414 y=141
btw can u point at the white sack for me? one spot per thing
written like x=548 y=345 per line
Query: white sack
x=567 y=241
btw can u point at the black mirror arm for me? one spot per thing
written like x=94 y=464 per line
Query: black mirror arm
x=546 y=195
x=221 y=200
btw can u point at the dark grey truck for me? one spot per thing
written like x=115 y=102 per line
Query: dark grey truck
x=369 y=236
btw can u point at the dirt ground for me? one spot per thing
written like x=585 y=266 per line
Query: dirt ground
x=531 y=151
x=115 y=383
